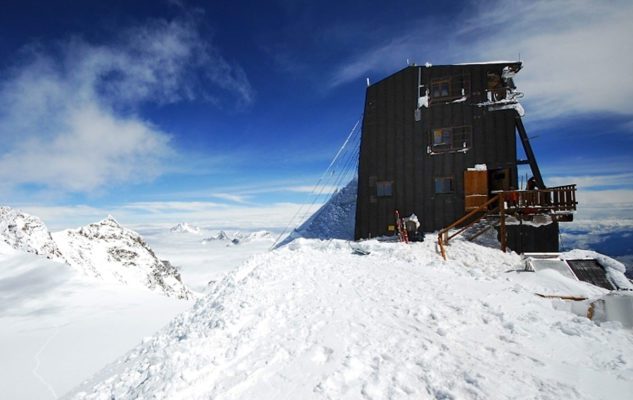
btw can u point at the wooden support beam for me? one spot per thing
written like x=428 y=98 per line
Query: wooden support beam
x=502 y=223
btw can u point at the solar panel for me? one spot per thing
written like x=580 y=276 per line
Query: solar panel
x=590 y=271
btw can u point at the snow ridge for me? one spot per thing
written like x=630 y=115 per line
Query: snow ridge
x=113 y=253
x=28 y=233
x=313 y=320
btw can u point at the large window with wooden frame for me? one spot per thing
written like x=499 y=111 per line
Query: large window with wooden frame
x=450 y=139
x=444 y=184
x=449 y=88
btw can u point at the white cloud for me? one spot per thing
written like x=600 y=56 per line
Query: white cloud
x=324 y=189
x=68 y=114
x=576 y=53
x=605 y=204
x=208 y=214
x=94 y=150
x=593 y=181
x=236 y=198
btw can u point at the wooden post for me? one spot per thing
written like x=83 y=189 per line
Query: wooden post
x=502 y=222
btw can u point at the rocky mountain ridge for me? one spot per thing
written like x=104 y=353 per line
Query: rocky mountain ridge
x=104 y=250
x=128 y=258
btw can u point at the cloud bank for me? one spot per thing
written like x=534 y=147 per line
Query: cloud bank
x=69 y=113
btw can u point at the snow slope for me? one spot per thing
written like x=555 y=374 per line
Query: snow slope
x=27 y=232
x=108 y=251
x=313 y=320
x=334 y=220
x=59 y=327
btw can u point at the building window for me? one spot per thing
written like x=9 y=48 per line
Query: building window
x=457 y=138
x=442 y=137
x=440 y=88
x=444 y=185
x=451 y=88
x=384 y=189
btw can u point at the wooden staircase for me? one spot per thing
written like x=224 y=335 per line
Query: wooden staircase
x=558 y=202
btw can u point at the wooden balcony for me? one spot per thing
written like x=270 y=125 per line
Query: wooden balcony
x=560 y=199
x=557 y=202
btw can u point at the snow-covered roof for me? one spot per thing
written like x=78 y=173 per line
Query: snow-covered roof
x=490 y=62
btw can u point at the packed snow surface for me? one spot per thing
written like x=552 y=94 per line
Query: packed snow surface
x=108 y=251
x=314 y=320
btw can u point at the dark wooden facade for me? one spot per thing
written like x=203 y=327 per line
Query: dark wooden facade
x=423 y=129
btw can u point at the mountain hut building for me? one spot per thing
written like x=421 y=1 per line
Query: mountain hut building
x=441 y=142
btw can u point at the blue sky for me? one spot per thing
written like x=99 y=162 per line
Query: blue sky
x=167 y=110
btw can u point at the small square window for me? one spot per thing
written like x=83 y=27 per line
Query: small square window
x=384 y=189
x=444 y=185
x=441 y=136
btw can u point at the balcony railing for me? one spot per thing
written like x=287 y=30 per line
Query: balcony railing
x=555 y=199
x=559 y=200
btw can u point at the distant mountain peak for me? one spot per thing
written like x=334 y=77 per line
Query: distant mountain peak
x=184 y=227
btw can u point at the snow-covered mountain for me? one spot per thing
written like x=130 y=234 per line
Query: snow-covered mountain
x=111 y=252
x=27 y=233
x=238 y=237
x=184 y=227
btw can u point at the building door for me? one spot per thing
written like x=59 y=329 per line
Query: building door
x=475 y=188
x=499 y=179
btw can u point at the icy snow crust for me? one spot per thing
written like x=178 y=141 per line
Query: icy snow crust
x=108 y=251
x=313 y=320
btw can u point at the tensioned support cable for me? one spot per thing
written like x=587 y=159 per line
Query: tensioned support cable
x=319 y=188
